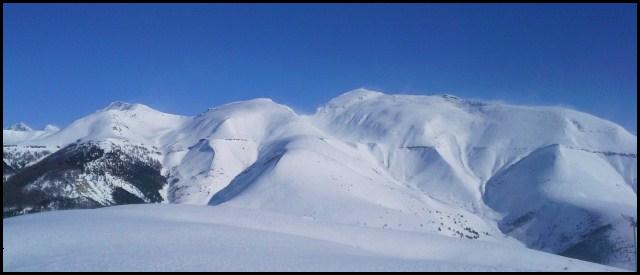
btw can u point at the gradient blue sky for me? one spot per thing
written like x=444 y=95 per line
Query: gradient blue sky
x=61 y=62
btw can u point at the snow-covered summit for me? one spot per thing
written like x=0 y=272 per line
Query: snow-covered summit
x=135 y=123
x=51 y=128
x=21 y=132
x=352 y=97
x=422 y=120
x=21 y=127
x=123 y=106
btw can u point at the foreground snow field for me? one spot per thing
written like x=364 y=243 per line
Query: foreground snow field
x=163 y=237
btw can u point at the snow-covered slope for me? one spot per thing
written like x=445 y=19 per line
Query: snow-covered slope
x=85 y=175
x=470 y=141
x=209 y=151
x=196 y=238
x=16 y=156
x=549 y=178
x=21 y=156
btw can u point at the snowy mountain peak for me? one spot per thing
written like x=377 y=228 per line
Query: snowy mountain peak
x=362 y=91
x=21 y=127
x=250 y=102
x=257 y=105
x=449 y=97
x=21 y=132
x=123 y=106
x=352 y=97
x=51 y=128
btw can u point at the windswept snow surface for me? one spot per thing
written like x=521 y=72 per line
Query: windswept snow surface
x=199 y=238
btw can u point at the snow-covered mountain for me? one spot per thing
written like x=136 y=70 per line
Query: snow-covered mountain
x=550 y=178
x=16 y=157
x=21 y=132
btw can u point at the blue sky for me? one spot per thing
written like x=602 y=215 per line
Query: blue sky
x=61 y=62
